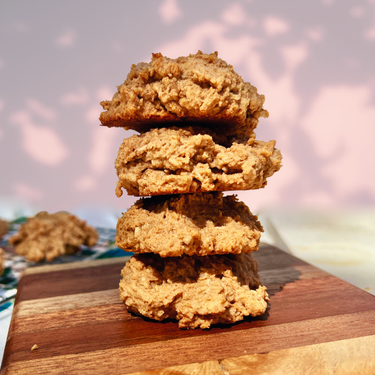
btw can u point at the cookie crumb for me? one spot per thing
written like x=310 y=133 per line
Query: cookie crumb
x=35 y=347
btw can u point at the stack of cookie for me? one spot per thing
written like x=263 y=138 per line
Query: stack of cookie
x=196 y=118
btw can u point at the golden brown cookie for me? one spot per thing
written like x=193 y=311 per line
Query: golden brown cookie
x=197 y=291
x=179 y=161
x=2 y=261
x=4 y=228
x=47 y=236
x=201 y=224
x=196 y=88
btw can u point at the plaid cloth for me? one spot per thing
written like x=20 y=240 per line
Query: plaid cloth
x=15 y=264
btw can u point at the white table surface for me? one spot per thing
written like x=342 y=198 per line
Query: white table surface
x=341 y=242
x=5 y=317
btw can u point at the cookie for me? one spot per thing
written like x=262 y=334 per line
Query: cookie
x=197 y=88
x=197 y=291
x=2 y=261
x=201 y=224
x=180 y=161
x=47 y=236
x=4 y=228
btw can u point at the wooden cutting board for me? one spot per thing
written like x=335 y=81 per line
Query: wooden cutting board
x=315 y=324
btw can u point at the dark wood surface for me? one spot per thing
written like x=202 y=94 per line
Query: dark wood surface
x=74 y=314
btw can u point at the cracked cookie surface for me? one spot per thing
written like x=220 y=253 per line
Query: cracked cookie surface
x=197 y=291
x=180 y=161
x=201 y=224
x=196 y=88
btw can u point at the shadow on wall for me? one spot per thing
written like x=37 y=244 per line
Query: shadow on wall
x=313 y=61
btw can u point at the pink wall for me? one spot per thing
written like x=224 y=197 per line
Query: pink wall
x=313 y=60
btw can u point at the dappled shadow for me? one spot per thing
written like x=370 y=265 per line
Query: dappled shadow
x=58 y=157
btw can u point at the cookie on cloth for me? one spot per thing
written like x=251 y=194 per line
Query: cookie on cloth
x=180 y=161
x=2 y=261
x=201 y=224
x=196 y=88
x=4 y=228
x=47 y=236
x=197 y=291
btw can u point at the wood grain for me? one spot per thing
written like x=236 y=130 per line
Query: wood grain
x=339 y=358
x=333 y=358
x=72 y=266
x=80 y=325
x=209 y=367
x=69 y=281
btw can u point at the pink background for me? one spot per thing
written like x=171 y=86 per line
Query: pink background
x=313 y=60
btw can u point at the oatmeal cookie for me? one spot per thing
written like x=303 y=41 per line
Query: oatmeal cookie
x=197 y=291
x=201 y=224
x=47 y=236
x=2 y=261
x=4 y=228
x=179 y=161
x=196 y=88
